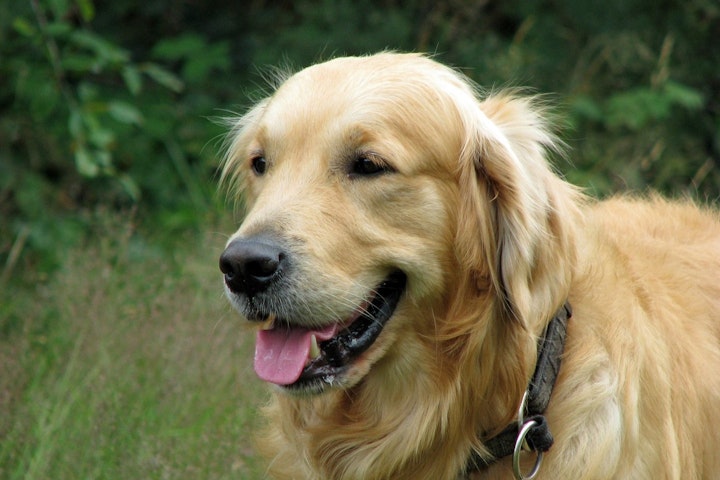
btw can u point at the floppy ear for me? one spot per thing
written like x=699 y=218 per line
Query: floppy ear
x=516 y=216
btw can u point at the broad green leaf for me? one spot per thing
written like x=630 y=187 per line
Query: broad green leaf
x=132 y=79
x=683 y=95
x=163 y=77
x=58 y=29
x=81 y=63
x=131 y=187
x=125 y=113
x=85 y=163
x=23 y=27
x=87 y=9
x=103 y=48
x=99 y=136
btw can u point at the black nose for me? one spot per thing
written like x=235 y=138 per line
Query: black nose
x=251 y=265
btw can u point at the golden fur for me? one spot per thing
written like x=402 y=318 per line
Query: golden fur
x=492 y=243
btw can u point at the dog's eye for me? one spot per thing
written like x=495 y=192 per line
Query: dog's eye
x=259 y=165
x=367 y=166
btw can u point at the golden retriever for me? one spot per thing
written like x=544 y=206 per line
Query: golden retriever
x=405 y=246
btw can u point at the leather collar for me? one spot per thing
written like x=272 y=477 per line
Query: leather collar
x=535 y=402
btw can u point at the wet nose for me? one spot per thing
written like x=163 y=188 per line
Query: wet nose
x=251 y=265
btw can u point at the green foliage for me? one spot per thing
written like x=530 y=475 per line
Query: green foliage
x=88 y=122
x=65 y=82
x=110 y=106
x=199 y=58
x=640 y=107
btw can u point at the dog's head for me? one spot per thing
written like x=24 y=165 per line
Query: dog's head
x=381 y=193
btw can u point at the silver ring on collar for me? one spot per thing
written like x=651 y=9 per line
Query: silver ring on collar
x=524 y=429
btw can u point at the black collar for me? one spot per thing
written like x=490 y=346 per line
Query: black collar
x=536 y=434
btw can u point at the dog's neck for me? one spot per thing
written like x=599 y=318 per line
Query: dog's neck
x=535 y=401
x=330 y=433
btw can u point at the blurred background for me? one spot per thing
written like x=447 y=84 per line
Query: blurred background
x=118 y=355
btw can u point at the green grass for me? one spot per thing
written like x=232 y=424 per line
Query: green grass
x=127 y=363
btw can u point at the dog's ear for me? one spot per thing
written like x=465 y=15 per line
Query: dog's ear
x=517 y=217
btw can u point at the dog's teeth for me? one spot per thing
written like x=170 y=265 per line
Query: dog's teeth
x=314 y=348
x=269 y=322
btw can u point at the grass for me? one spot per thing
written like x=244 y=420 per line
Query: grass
x=127 y=363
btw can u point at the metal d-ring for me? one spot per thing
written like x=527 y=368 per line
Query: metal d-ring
x=524 y=429
x=521 y=410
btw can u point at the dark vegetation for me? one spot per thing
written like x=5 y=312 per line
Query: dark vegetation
x=111 y=103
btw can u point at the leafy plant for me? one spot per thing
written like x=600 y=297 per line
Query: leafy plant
x=63 y=77
x=87 y=123
x=108 y=106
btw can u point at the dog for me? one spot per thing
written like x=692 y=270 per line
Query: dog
x=407 y=248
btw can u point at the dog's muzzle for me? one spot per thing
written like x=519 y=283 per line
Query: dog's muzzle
x=294 y=349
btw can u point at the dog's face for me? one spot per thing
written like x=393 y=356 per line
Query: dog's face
x=360 y=224
x=348 y=224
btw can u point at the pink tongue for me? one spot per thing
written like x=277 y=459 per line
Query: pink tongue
x=281 y=353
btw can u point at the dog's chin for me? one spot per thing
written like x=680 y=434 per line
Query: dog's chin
x=340 y=355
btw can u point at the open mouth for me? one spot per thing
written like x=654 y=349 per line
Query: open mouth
x=310 y=359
